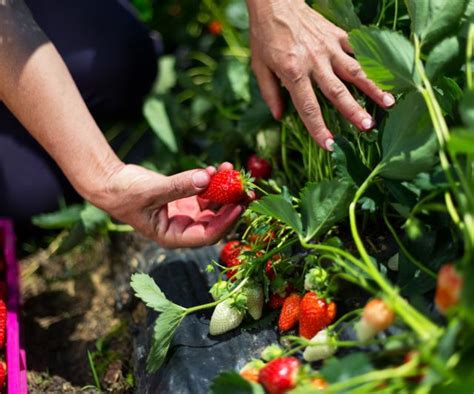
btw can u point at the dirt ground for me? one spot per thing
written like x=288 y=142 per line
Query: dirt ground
x=77 y=318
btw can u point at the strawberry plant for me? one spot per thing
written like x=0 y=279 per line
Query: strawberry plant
x=387 y=218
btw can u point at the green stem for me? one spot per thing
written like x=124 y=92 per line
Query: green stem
x=395 y=16
x=215 y=303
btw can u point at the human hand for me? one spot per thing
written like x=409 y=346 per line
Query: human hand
x=167 y=208
x=294 y=44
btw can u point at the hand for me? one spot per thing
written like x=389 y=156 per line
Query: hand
x=294 y=44
x=167 y=208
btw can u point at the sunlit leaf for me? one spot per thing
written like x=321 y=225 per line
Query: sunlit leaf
x=340 y=12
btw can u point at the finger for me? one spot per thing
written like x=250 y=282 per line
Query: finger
x=223 y=221
x=345 y=43
x=226 y=166
x=304 y=99
x=339 y=95
x=270 y=89
x=350 y=70
x=185 y=184
x=211 y=170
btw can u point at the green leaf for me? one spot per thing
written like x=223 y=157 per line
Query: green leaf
x=323 y=205
x=154 y=111
x=442 y=57
x=348 y=164
x=74 y=238
x=278 y=207
x=148 y=291
x=387 y=57
x=239 y=78
x=232 y=382
x=466 y=109
x=167 y=75
x=341 y=369
x=237 y=14
x=92 y=218
x=432 y=20
x=165 y=327
x=408 y=141
x=64 y=218
x=461 y=141
x=340 y=12
x=449 y=94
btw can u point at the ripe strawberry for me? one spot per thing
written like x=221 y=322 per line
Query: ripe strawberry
x=3 y=374
x=3 y=322
x=315 y=314
x=290 y=312
x=377 y=316
x=254 y=293
x=225 y=318
x=409 y=357
x=215 y=28
x=321 y=348
x=448 y=289
x=258 y=167
x=279 y=375
x=236 y=261
x=275 y=301
x=227 y=187
x=230 y=251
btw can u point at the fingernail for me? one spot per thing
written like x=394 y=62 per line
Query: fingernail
x=329 y=144
x=368 y=123
x=388 y=100
x=201 y=179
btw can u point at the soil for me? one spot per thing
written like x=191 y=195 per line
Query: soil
x=75 y=314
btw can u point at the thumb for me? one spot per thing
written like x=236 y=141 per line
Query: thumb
x=186 y=184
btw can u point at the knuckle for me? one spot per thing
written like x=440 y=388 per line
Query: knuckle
x=291 y=69
x=343 y=35
x=177 y=186
x=309 y=108
x=336 y=90
x=355 y=70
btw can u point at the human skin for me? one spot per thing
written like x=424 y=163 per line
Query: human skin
x=295 y=46
x=37 y=88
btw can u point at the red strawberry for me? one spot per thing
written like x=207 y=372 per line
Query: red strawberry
x=3 y=322
x=448 y=289
x=315 y=314
x=259 y=167
x=234 y=262
x=215 y=28
x=275 y=301
x=3 y=373
x=227 y=187
x=290 y=312
x=269 y=269
x=280 y=375
x=230 y=251
x=237 y=260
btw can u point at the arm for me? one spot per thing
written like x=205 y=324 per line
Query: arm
x=294 y=44
x=37 y=87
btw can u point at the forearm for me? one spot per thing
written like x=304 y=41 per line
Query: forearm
x=37 y=87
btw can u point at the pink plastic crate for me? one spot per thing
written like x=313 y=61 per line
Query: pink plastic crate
x=16 y=356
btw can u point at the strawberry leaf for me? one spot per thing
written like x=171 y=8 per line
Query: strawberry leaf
x=148 y=291
x=408 y=141
x=340 y=12
x=165 y=327
x=64 y=218
x=323 y=205
x=278 y=207
x=338 y=370
x=232 y=382
x=387 y=57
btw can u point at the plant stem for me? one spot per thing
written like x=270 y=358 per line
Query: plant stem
x=193 y=309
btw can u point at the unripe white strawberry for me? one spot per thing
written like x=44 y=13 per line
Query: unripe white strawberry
x=375 y=318
x=255 y=298
x=320 y=348
x=225 y=318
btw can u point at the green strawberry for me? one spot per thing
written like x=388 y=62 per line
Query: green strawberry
x=255 y=298
x=225 y=318
x=321 y=347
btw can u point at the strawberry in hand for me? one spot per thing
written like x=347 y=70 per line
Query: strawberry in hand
x=227 y=186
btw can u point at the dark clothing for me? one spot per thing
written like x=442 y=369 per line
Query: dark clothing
x=112 y=59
